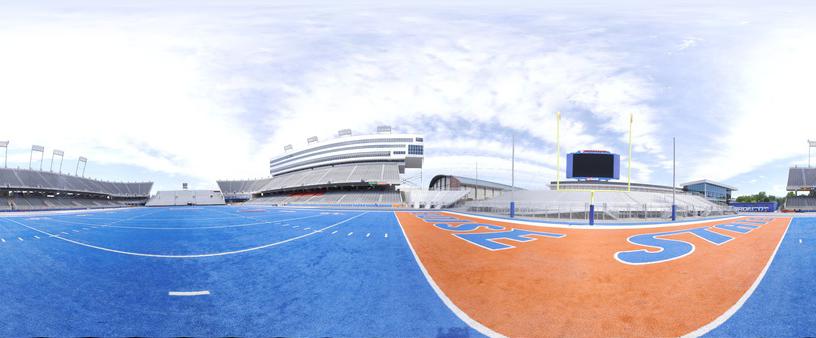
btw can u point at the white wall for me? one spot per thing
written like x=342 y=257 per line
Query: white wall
x=186 y=197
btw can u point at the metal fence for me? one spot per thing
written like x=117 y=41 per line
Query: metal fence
x=604 y=212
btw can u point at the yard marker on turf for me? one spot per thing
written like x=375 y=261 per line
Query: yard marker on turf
x=386 y=235
x=64 y=233
x=188 y=293
x=306 y=228
x=368 y=234
x=334 y=232
x=20 y=239
x=349 y=234
x=37 y=237
x=3 y=239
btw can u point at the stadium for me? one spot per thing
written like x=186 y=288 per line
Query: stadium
x=337 y=226
x=421 y=169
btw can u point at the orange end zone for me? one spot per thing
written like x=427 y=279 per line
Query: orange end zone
x=580 y=285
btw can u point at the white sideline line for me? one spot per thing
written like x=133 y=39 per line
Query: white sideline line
x=734 y=308
x=439 y=293
x=195 y=255
x=188 y=293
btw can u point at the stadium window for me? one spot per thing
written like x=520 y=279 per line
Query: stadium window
x=419 y=139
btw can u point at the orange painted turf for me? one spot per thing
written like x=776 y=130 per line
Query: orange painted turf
x=573 y=286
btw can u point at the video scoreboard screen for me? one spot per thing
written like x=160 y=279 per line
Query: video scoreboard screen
x=593 y=164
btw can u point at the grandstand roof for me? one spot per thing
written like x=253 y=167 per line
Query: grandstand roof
x=473 y=182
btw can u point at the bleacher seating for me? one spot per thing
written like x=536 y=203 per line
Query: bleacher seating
x=387 y=173
x=342 y=198
x=801 y=203
x=801 y=179
x=548 y=203
x=26 y=179
x=435 y=198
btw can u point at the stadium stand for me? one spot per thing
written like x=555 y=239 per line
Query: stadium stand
x=610 y=205
x=346 y=170
x=369 y=198
x=186 y=197
x=25 y=189
x=801 y=203
x=801 y=180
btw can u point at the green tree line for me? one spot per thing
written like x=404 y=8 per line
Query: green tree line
x=764 y=197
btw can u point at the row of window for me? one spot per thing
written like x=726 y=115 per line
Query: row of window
x=415 y=149
x=279 y=162
x=344 y=143
x=333 y=158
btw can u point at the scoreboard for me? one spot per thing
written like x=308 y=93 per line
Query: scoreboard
x=593 y=164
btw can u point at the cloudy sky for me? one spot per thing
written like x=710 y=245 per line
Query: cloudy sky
x=196 y=91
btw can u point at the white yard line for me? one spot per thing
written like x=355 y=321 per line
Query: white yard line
x=188 y=293
x=194 y=255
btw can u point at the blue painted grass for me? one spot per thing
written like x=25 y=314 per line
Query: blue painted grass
x=784 y=303
x=322 y=285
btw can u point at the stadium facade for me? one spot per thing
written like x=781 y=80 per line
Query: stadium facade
x=351 y=170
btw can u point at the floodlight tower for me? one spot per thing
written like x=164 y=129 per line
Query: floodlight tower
x=36 y=148
x=59 y=153
x=811 y=145
x=4 y=145
x=84 y=162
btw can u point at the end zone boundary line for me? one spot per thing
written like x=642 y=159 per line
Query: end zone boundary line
x=481 y=328
x=734 y=308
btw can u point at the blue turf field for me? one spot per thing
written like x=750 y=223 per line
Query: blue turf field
x=348 y=280
x=277 y=271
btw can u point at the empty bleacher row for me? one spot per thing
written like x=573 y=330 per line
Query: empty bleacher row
x=387 y=173
x=608 y=205
x=345 y=198
x=44 y=203
x=801 y=179
x=25 y=179
x=800 y=203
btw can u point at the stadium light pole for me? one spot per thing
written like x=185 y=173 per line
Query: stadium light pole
x=811 y=145
x=35 y=148
x=629 y=183
x=513 y=177
x=557 y=150
x=4 y=144
x=54 y=154
x=81 y=159
x=674 y=179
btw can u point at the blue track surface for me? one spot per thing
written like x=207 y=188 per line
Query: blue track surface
x=784 y=304
x=352 y=282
